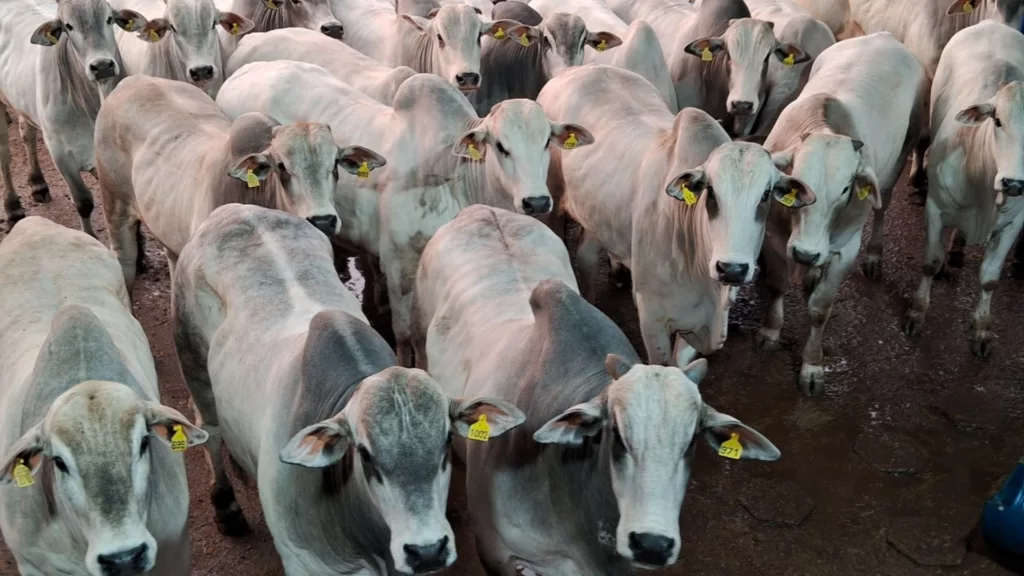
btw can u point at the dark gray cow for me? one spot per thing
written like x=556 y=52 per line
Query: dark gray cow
x=593 y=482
x=350 y=451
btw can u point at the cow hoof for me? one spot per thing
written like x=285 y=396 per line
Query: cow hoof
x=42 y=195
x=873 y=268
x=764 y=342
x=981 y=343
x=812 y=380
x=913 y=322
x=955 y=259
x=233 y=524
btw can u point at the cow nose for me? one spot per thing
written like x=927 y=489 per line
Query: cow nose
x=101 y=69
x=651 y=549
x=535 y=205
x=201 y=73
x=1012 y=186
x=427 y=558
x=742 y=107
x=325 y=224
x=467 y=80
x=808 y=258
x=731 y=273
x=333 y=29
x=132 y=561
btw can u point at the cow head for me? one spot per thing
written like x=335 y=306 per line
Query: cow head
x=309 y=14
x=734 y=187
x=649 y=418
x=1004 y=113
x=191 y=25
x=514 y=141
x=87 y=25
x=305 y=160
x=454 y=33
x=563 y=38
x=748 y=44
x=94 y=446
x=397 y=429
x=832 y=166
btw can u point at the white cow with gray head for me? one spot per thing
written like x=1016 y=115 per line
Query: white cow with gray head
x=975 y=166
x=89 y=483
x=350 y=452
x=608 y=444
x=57 y=62
x=179 y=41
x=441 y=156
x=671 y=198
x=851 y=152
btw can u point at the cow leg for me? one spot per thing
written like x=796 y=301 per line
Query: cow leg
x=656 y=336
x=69 y=169
x=873 y=263
x=996 y=250
x=29 y=136
x=776 y=275
x=587 y=254
x=683 y=353
x=819 y=308
x=400 y=289
x=12 y=204
x=913 y=321
x=122 y=225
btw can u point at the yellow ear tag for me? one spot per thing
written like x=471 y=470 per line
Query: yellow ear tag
x=863 y=192
x=22 y=475
x=179 y=442
x=251 y=179
x=474 y=153
x=364 y=171
x=153 y=36
x=788 y=61
x=968 y=8
x=731 y=448
x=602 y=46
x=235 y=29
x=130 y=25
x=480 y=431
x=689 y=197
x=51 y=38
x=706 y=55
x=789 y=199
x=499 y=34
x=570 y=142
x=524 y=40
x=270 y=4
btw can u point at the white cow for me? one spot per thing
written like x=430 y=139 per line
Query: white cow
x=441 y=158
x=268 y=15
x=835 y=14
x=608 y=446
x=57 y=89
x=975 y=169
x=179 y=41
x=671 y=198
x=89 y=483
x=376 y=80
x=186 y=158
x=350 y=452
x=838 y=140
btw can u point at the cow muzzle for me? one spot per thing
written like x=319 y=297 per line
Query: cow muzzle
x=201 y=73
x=103 y=68
x=467 y=81
x=651 y=549
x=326 y=224
x=333 y=29
x=1011 y=186
x=731 y=273
x=806 y=257
x=536 y=205
x=429 y=558
x=741 y=108
x=125 y=562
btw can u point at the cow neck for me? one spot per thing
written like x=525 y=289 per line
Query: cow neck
x=424 y=57
x=231 y=190
x=84 y=95
x=691 y=245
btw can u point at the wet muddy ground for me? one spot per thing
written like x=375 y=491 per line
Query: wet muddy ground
x=884 y=474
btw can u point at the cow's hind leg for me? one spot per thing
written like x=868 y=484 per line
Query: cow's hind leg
x=995 y=254
x=29 y=137
x=656 y=336
x=913 y=321
x=12 y=204
x=819 y=308
x=122 y=223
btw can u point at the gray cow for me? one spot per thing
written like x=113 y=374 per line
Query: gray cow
x=88 y=483
x=593 y=482
x=350 y=451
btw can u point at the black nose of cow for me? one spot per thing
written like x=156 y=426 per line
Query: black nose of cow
x=808 y=258
x=104 y=68
x=1012 y=187
x=427 y=558
x=325 y=224
x=122 y=563
x=731 y=273
x=201 y=73
x=468 y=80
x=742 y=107
x=333 y=29
x=536 y=205
x=651 y=549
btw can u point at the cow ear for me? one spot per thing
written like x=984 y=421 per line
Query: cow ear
x=155 y=30
x=432 y=14
x=616 y=366
x=359 y=161
x=719 y=428
x=167 y=423
x=27 y=451
x=525 y=35
x=420 y=24
x=792 y=193
x=961 y=7
x=783 y=160
x=790 y=54
x=696 y=371
x=234 y=24
x=570 y=136
x=471 y=145
x=48 y=33
x=688 y=186
x=320 y=445
x=974 y=115
x=602 y=41
x=574 y=425
x=129 y=20
x=252 y=169
x=500 y=416
x=865 y=186
x=706 y=48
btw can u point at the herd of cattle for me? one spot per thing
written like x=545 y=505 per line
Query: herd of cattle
x=445 y=144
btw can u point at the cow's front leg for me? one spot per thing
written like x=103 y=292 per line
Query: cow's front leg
x=913 y=321
x=819 y=308
x=654 y=331
x=70 y=170
x=873 y=261
x=29 y=137
x=12 y=204
x=996 y=250
x=776 y=279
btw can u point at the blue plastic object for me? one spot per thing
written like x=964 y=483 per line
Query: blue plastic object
x=1002 y=522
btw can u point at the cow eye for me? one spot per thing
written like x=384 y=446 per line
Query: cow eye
x=110 y=20
x=281 y=168
x=502 y=149
x=144 y=446
x=440 y=41
x=59 y=463
x=365 y=455
x=296 y=2
x=846 y=190
x=998 y=122
x=69 y=27
x=334 y=171
x=767 y=193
